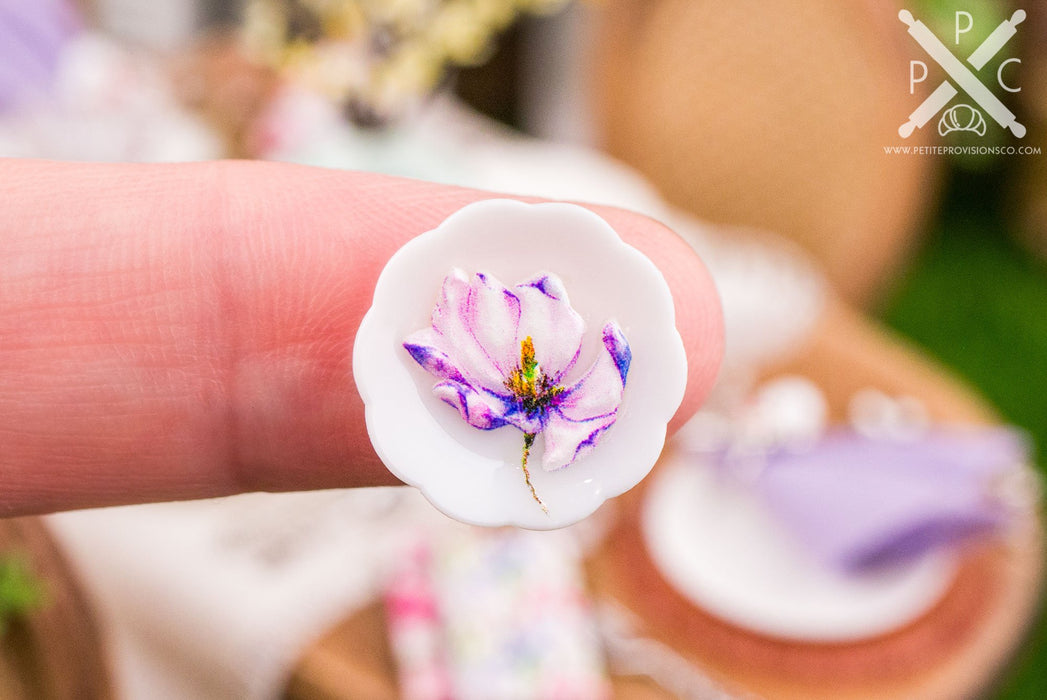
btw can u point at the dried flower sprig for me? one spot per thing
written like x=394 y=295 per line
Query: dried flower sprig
x=377 y=56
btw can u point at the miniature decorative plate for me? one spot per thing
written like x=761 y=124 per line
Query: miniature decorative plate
x=519 y=364
x=719 y=545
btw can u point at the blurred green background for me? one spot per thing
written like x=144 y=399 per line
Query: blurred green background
x=977 y=301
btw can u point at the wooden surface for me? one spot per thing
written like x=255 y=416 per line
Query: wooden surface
x=847 y=353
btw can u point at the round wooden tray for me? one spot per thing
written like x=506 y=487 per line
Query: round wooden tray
x=953 y=650
x=55 y=652
x=956 y=649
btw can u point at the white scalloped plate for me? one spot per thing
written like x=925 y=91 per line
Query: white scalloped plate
x=721 y=548
x=473 y=475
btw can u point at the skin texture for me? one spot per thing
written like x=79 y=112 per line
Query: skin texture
x=184 y=331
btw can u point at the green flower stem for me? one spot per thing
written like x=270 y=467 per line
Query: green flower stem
x=528 y=441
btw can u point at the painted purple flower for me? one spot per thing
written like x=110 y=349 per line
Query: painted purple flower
x=504 y=357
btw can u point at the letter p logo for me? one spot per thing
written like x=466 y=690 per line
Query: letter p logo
x=912 y=75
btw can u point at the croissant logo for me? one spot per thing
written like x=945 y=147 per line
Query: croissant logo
x=962 y=117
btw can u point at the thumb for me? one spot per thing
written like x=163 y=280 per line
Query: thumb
x=186 y=331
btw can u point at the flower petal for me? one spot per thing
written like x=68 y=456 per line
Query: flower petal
x=567 y=440
x=600 y=391
x=548 y=319
x=477 y=410
x=618 y=347
x=493 y=315
x=423 y=347
x=451 y=320
x=589 y=407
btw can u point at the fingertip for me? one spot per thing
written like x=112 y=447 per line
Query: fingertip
x=311 y=223
x=357 y=221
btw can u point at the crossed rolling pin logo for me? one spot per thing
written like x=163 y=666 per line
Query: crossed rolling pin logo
x=958 y=118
